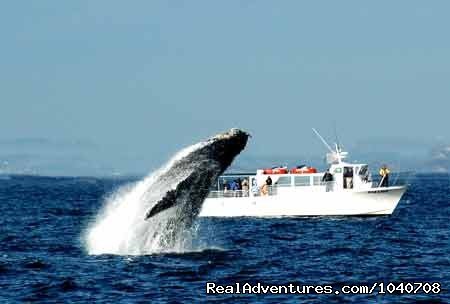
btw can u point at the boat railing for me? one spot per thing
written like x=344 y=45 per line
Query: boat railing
x=272 y=190
x=228 y=193
x=395 y=179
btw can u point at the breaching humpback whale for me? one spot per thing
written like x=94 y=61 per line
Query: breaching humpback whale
x=199 y=169
x=155 y=213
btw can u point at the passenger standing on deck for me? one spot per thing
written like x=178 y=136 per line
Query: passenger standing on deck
x=255 y=189
x=269 y=185
x=265 y=189
x=245 y=187
x=328 y=179
x=348 y=178
x=225 y=187
x=384 y=173
x=239 y=186
x=234 y=187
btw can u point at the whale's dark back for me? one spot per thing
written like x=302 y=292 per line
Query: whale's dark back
x=204 y=166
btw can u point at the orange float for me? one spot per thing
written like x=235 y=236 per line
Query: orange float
x=275 y=171
x=303 y=170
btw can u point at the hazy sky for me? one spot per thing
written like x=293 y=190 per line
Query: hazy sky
x=137 y=80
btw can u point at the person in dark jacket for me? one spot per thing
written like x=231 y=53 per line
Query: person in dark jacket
x=239 y=187
x=269 y=185
x=328 y=179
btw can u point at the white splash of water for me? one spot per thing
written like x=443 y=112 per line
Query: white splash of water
x=120 y=227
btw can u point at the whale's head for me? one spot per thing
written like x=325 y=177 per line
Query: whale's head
x=222 y=148
x=194 y=174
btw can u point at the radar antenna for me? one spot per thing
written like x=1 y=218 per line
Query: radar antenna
x=336 y=136
x=323 y=140
x=335 y=156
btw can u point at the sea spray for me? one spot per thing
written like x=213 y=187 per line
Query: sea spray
x=120 y=227
x=158 y=213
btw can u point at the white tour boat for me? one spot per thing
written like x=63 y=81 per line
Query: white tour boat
x=302 y=192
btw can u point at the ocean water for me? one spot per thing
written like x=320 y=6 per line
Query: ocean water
x=43 y=257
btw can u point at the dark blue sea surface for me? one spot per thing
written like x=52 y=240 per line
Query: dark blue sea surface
x=43 y=257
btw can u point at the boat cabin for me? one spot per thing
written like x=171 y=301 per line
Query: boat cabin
x=346 y=176
x=350 y=176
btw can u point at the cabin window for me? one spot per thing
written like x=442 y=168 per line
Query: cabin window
x=364 y=170
x=302 y=181
x=364 y=173
x=317 y=181
x=284 y=181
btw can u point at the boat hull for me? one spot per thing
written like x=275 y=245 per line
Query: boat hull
x=377 y=201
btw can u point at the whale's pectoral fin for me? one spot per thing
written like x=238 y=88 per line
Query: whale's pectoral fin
x=166 y=202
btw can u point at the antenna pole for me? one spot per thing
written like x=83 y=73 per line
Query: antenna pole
x=336 y=136
x=323 y=140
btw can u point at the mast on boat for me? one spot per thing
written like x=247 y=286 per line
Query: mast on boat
x=335 y=156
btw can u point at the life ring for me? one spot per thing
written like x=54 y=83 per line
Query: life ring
x=304 y=170
x=280 y=171
x=275 y=171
